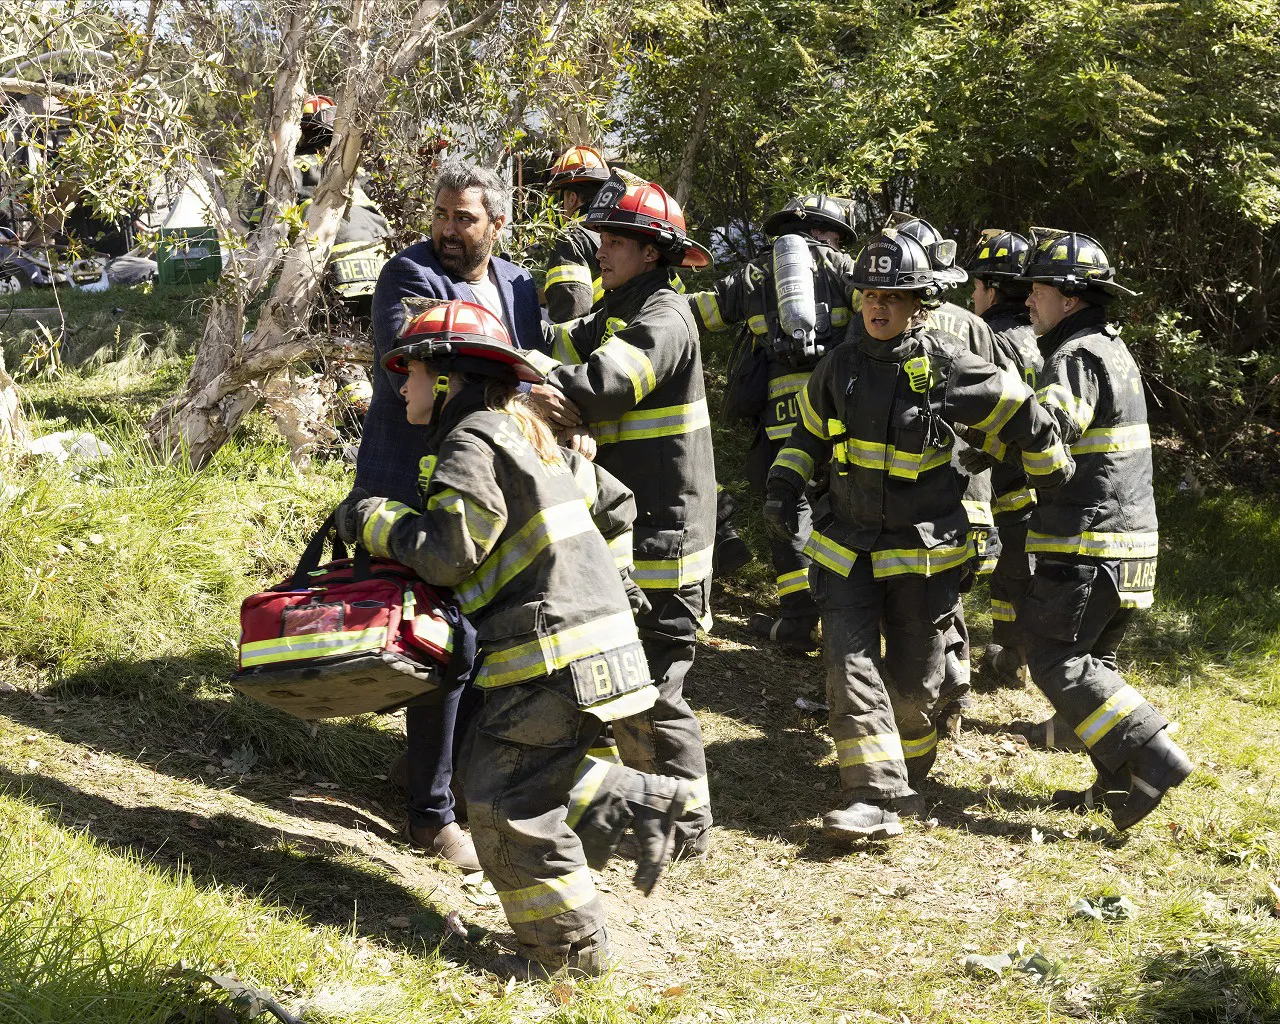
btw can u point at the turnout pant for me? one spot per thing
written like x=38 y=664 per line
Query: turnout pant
x=526 y=767
x=957 y=676
x=666 y=739
x=1009 y=584
x=790 y=563
x=433 y=726
x=882 y=706
x=1073 y=621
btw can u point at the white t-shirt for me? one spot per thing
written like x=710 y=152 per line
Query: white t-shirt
x=487 y=294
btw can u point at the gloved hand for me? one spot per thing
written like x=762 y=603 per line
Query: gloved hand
x=347 y=515
x=637 y=598
x=975 y=461
x=782 y=512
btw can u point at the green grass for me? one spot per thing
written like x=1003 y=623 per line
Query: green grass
x=152 y=821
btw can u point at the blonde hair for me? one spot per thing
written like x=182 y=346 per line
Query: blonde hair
x=500 y=396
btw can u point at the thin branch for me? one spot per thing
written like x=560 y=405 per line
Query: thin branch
x=474 y=25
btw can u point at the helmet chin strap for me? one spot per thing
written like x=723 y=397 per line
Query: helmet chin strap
x=440 y=394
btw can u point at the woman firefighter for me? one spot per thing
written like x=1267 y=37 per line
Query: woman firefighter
x=517 y=527
x=890 y=555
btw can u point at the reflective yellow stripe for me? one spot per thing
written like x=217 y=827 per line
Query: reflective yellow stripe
x=542 y=362
x=1097 y=545
x=677 y=283
x=992 y=445
x=758 y=324
x=1013 y=393
x=787 y=384
x=840 y=316
x=591 y=773
x=1113 y=439
x=920 y=747
x=670 y=573
x=779 y=431
x=709 y=309
x=700 y=795
x=516 y=553
x=810 y=418
x=568 y=274
x=643 y=424
x=376 y=534
x=584 y=475
x=546 y=654
x=796 y=461
x=562 y=347
x=607 y=752
x=311 y=645
x=902 y=465
x=634 y=363
x=1076 y=409
x=597 y=289
x=918 y=561
x=482 y=527
x=1118 y=706
x=828 y=553
x=869 y=749
x=1014 y=501
x=1137 y=599
x=549 y=898
x=626 y=705
x=1051 y=460
x=979 y=513
x=622 y=546
x=1002 y=611
x=793 y=582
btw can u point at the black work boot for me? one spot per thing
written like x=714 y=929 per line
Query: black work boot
x=1005 y=666
x=1051 y=734
x=587 y=958
x=657 y=804
x=731 y=553
x=1108 y=789
x=862 y=819
x=1159 y=766
x=798 y=634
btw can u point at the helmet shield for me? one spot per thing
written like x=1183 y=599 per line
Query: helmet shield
x=941 y=252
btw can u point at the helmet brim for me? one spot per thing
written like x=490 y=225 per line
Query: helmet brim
x=696 y=257
x=782 y=222
x=1058 y=281
x=581 y=176
x=474 y=349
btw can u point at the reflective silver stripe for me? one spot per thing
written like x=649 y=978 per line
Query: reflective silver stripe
x=1113 y=439
x=1097 y=545
x=670 y=573
x=809 y=416
x=709 y=310
x=547 y=899
x=626 y=705
x=376 y=534
x=699 y=795
x=517 y=552
x=797 y=461
x=793 y=582
x=869 y=749
x=634 y=363
x=758 y=325
x=787 y=384
x=1048 y=461
x=979 y=513
x=1013 y=393
x=1002 y=611
x=1118 y=706
x=311 y=645
x=643 y=424
x=567 y=274
x=546 y=654
x=482 y=527
x=1076 y=409
x=920 y=747
x=544 y=363
x=918 y=561
x=623 y=547
x=1015 y=501
x=827 y=552
x=591 y=773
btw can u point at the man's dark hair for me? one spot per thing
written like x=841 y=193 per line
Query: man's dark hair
x=458 y=176
x=585 y=191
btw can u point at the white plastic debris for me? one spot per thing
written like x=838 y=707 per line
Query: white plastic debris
x=75 y=447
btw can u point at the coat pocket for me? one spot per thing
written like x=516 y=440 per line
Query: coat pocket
x=1056 y=599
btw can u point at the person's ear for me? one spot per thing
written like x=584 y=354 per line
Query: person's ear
x=498 y=222
x=651 y=254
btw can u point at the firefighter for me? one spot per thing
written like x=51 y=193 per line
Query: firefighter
x=1095 y=538
x=999 y=297
x=517 y=528
x=954 y=699
x=889 y=556
x=572 y=285
x=634 y=369
x=815 y=227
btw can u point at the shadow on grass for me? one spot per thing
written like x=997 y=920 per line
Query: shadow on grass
x=324 y=882
x=1211 y=985
x=178 y=717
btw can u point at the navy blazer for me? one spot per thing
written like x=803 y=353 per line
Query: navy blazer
x=391 y=447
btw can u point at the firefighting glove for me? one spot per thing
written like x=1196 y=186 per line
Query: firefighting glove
x=782 y=511
x=636 y=597
x=975 y=461
x=347 y=516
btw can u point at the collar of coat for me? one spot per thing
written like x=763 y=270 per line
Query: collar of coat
x=895 y=350
x=1090 y=316
x=468 y=400
x=1014 y=309
x=639 y=288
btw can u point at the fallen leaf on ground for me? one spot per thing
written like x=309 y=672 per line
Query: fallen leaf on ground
x=1275 y=897
x=400 y=924
x=562 y=993
x=673 y=991
x=1037 y=965
x=985 y=965
x=481 y=893
x=453 y=921
x=1105 y=908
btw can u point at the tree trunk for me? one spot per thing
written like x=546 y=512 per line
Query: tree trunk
x=12 y=428
x=689 y=158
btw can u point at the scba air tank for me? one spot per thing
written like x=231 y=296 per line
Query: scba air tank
x=793 y=271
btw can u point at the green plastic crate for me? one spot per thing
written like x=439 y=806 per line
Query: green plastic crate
x=188 y=255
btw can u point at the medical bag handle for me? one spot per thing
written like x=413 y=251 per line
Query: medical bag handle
x=314 y=551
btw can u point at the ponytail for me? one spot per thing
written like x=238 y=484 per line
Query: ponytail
x=500 y=396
